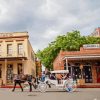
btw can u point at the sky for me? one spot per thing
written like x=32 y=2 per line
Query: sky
x=44 y=20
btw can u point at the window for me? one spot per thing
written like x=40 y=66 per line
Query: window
x=9 y=49
x=20 y=48
x=20 y=69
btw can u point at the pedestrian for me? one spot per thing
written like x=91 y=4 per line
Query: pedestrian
x=70 y=84
x=59 y=77
x=65 y=76
x=29 y=79
x=17 y=80
x=34 y=83
x=43 y=77
x=52 y=76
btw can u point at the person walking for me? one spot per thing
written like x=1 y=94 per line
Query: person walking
x=17 y=80
x=43 y=77
x=34 y=83
x=29 y=79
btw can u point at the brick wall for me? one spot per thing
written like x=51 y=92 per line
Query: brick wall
x=59 y=63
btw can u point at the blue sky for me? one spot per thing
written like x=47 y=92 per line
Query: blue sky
x=46 y=19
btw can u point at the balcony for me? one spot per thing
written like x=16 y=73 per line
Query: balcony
x=12 y=57
x=12 y=54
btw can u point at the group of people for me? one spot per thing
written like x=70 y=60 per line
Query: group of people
x=19 y=79
x=58 y=76
x=33 y=82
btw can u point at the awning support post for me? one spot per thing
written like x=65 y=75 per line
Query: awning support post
x=67 y=65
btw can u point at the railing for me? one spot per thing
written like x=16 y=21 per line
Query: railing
x=12 y=54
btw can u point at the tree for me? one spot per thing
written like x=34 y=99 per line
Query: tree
x=71 y=41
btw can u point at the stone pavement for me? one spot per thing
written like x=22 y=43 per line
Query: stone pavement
x=51 y=94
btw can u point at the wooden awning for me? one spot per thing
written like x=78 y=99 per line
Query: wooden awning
x=82 y=57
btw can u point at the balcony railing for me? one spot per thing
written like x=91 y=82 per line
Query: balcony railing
x=12 y=54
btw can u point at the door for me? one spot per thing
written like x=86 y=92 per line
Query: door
x=77 y=73
x=20 y=69
x=98 y=74
x=87 y=74
x=9 y=73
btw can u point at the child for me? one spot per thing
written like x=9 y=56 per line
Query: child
x=70 y=85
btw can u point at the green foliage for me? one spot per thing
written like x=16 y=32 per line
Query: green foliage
x=72 y=41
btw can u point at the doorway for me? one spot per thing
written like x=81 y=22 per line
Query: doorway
x=77 y=73
x=87 y=73
x=20 y=68
x=9 y=74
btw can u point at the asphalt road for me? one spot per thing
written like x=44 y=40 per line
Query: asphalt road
x=51 y=94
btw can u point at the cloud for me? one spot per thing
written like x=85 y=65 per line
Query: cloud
x=46 y=19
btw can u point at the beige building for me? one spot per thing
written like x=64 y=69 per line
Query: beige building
x=16 y=56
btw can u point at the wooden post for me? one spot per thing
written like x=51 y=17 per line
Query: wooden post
x=67 y=65
x=5 y=72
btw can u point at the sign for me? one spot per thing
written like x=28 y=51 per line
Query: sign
x=6 y=34
x=90 y=46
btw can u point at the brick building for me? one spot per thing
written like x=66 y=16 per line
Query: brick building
x=96 y=32
x=83 y=65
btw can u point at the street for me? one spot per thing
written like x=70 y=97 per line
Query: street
x=52 y=94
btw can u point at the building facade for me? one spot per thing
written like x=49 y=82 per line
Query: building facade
x=16 y=56
x=96 y=32
x=83 y=65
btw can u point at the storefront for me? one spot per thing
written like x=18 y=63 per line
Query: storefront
x=86 y=69
x=83 y=65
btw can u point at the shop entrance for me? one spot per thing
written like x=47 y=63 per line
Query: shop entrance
x=9 y=73
x=76 y=72
x=98 y=74
x=87 y=73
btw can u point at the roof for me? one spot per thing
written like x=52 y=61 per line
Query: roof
x=60 y=71
x=84 y=53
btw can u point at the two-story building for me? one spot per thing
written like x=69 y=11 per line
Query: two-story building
x=16 y=56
